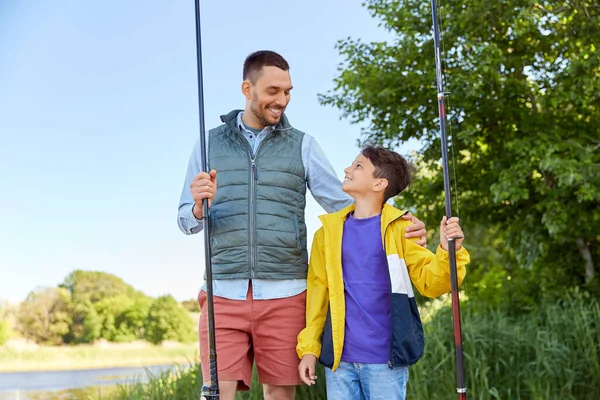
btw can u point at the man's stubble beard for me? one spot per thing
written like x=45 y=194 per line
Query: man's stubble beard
x=260 y=115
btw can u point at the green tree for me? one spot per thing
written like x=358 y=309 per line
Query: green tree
x=93 y=286
x=44 y=315
x=168 y=320
x=92 y=324
x=523 y=116
x=119 y=319
x=109 y=310
x=191 y=305
x=85 y=324
x=5 y=322
x=4 y=331
x=131 y=321
x=98 y=301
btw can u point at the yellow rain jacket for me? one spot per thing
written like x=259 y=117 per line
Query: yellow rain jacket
x=408 y=262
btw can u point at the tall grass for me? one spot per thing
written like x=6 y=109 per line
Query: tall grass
x=552 y=353
x=184 y=383
x=181 y=383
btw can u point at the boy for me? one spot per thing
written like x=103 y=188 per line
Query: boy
x=362 y=320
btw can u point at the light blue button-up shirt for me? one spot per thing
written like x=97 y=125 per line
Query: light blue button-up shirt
x=323 y=184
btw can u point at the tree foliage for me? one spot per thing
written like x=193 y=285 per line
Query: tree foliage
x=168 y=320
x=91 y=305
x=93 y=286
x=44 y=315
x=523 y=119
x=4 y=331
x=191 y=305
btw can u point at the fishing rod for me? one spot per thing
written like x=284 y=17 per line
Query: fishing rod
x=210 y=392
x=458 y=350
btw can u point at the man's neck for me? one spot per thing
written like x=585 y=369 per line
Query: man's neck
x=251 y=121
x=367 y=208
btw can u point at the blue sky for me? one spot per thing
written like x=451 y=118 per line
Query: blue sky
x=98 y=115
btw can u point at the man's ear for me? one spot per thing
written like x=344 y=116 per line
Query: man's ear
x=381 y=185
x=247 y=89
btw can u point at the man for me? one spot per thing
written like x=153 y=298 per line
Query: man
x=258 y=236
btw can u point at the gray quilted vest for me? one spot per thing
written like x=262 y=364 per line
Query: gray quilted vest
x=257 y=217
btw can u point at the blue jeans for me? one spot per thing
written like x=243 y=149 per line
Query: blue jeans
x=357 y=381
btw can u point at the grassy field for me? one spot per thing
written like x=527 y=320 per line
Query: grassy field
x=552 y=353
x=185 y=382
x=18 y=357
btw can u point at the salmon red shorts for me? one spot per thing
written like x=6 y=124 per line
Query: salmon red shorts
x=251 y=330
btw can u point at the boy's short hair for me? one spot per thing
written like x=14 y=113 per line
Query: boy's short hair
x=256 y=61
x=391 y=166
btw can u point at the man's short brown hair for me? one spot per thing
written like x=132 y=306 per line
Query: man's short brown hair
x=263 y=58
x=391 y=166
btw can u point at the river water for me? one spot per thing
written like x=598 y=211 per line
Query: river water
x=70 y=385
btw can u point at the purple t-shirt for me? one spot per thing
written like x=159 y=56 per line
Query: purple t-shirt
x=367 y=292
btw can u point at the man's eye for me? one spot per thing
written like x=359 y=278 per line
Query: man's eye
x=272 y=93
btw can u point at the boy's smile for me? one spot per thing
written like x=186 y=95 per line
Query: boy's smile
x=358 y=177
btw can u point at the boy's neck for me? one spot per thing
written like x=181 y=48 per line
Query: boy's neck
x=367 y=208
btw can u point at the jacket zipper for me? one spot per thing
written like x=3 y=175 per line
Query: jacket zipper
x=389 y=363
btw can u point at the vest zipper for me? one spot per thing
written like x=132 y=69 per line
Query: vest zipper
x=253 y=180
x=252 y=212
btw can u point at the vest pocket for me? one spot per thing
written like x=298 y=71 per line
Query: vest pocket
x=297 y=229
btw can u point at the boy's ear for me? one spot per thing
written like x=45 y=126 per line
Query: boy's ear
x=380 y=185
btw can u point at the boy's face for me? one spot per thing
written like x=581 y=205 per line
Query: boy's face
x=358 y=178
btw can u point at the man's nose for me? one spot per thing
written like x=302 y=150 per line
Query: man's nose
x=282 y=100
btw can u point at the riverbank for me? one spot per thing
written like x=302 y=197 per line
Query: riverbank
x=20 y=356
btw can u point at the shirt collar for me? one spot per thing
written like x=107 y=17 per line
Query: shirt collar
x=242 y=127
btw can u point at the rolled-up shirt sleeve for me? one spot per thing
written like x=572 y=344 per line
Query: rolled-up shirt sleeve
x=185 y=217
x=321 y=178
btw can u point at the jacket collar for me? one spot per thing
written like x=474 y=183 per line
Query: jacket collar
x=388 y=215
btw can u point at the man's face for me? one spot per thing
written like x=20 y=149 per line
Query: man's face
x=269 y=95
